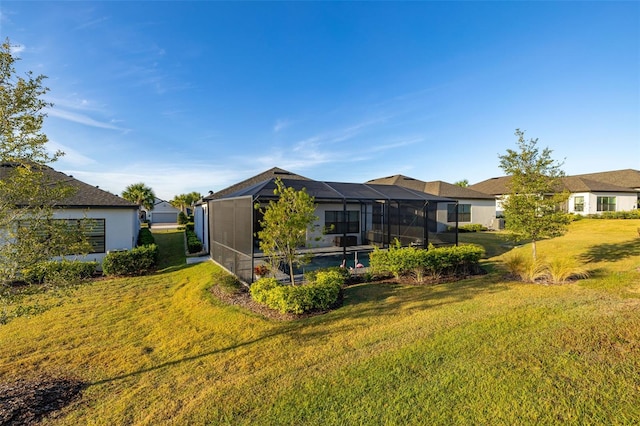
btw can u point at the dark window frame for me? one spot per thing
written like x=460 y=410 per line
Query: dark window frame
x=334 y=222
x=463 y=214
x=606 y=204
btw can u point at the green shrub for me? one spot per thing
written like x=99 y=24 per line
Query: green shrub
x=320 y=294
x=189 y=226
x=631 y=214
x=182 y=218
x=260 y=289
x=419 y=263
x=194 y=245
x=145 y=237
x=59 y=271
x=137 y=261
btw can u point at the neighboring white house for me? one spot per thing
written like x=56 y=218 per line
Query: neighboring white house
x=201 y=222
x=115 y=222
x=593 y=193
x=473 y=207
x=162 y=212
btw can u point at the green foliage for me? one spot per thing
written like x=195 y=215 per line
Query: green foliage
x=190 y=226
x=472 y=227
x=320 y=294
x=145 y=237
x=532 y=206
x=183 y=201
x=61 y=271
x=140 y=194
x=194 y=245
x=284 y=226
x=28 y=190
x=260 y=289
x=419 y=263
x=631 y=214
x=137 y=261
x=182 y=218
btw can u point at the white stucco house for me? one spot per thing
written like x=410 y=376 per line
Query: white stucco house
x=474 y=207
x=590 y=194
x=162 y=212
x=115 y=221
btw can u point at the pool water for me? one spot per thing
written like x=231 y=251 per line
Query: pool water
x=334 y=260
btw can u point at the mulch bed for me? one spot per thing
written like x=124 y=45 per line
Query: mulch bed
x=28 y=401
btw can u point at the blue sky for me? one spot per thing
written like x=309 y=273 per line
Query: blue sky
x=196 y=96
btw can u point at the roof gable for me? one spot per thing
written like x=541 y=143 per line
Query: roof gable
x=272 y=173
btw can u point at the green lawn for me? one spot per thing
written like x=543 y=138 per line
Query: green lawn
x=160 y=350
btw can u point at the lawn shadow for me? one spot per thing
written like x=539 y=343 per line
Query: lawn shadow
x=281 y=330
x=391 y=298
x=611 y=252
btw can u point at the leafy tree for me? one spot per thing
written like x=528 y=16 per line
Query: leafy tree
x=462 y=183
x=284 y=226
x=532 y=208
x=183 y=201
x=28 y=191
x=140 y=194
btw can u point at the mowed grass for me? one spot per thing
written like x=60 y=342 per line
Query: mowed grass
x=160 y=350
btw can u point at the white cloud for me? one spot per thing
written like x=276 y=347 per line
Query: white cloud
x=71 y=156
x=81 y=119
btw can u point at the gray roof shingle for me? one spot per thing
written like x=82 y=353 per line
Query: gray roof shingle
x=85 y=195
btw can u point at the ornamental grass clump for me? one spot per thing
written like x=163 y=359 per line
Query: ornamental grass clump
x=559 y=270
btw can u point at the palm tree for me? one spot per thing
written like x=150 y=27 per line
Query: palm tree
x=140 y=194
x=183 y=201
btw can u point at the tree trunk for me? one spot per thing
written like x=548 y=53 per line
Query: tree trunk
x=533 y=249
x=291 y=275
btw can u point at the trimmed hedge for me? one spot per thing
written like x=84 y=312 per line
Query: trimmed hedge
x=145 y=237
x=59 y=271
x=320 y=294
x=137 y=261
x=419 y=263
x=194 y=245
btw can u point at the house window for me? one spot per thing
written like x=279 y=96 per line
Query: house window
x=335 y=221
x=578 y=204
x=606 y=204
x=464 y=212
x=93 y=230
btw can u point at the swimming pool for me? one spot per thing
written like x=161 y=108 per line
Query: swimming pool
x=332 y=260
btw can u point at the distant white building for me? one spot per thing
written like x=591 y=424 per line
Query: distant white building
x=162 y=212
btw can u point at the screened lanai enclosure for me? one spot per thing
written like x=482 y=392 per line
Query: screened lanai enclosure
x=352 y=218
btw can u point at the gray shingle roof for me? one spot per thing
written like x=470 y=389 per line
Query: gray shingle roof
x=576 y=183
x=264 y=176
x=85 y=195
x=437 y=187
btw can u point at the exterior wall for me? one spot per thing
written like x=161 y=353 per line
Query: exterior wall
x=318 y=239
x=201 y=224
x=121 y=227
x=483 y=212
x=624 y=201
x=161 y=211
